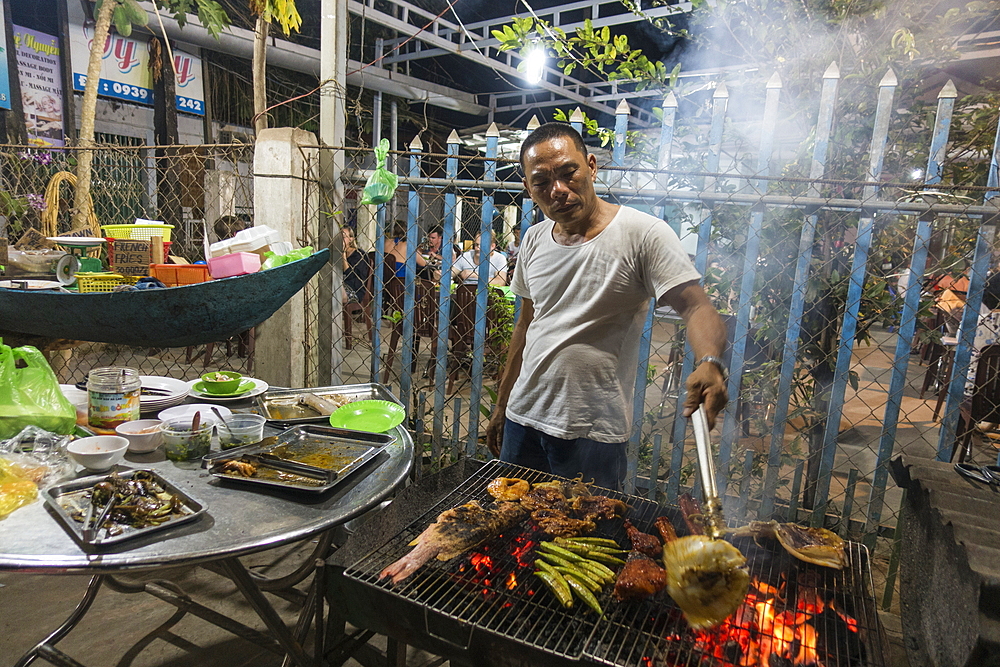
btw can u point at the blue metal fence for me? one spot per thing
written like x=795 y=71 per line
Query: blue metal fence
x=765 y=474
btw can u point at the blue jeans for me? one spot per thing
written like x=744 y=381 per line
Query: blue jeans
x=602 y=462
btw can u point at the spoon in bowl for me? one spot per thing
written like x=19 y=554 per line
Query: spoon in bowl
x=222 y=421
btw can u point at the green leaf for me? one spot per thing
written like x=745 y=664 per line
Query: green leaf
x=122 y=24
x=212 y=16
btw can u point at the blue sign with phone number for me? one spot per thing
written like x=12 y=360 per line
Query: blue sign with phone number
x=129 y=93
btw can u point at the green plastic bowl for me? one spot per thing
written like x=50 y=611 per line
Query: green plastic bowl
x=228 y=386
x=371 y=416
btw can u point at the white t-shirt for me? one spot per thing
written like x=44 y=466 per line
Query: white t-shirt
x=579 y=363
x=469 y=261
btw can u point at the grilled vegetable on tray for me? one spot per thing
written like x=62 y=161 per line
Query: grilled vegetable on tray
x=139 y=502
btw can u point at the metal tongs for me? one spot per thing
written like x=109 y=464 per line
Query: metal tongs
x=714 y=522
x=989 y=474
x=91 y=532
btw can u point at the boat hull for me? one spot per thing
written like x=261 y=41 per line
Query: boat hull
x=170 y=317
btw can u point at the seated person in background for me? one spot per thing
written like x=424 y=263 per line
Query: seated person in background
x=431 y=251
x=435 y=236
x=467 y=266
x=227 y=226
x=356 y=269
x=396 y=246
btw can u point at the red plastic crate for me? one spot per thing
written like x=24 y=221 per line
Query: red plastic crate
x=172 y=275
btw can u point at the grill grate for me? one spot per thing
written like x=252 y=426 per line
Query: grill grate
x=492 y=588
x=479 y=593
x=837 y=605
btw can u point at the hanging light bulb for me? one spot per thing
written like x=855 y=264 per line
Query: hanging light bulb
x=534 y=64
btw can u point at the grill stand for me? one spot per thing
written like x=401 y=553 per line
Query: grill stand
x=357 y=597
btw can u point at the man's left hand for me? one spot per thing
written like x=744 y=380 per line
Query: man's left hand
x=705 y=386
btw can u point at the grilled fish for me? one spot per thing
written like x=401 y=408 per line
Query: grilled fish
x=453 y=532
x=812 y=545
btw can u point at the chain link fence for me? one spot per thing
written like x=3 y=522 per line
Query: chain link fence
x=189 y=187
x=794 y=254
x=783 y=258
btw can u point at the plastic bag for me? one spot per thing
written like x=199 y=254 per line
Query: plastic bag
x=271 y=260
x=40 y=454
x=30 y=396
x=16 y=490
x=382 y=183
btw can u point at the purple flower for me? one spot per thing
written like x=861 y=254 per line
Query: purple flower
x=41 y=158
x=37 y=202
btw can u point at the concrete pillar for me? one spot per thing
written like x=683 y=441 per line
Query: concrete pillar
x=286 y=352
x=367 y=224
x=332 y=132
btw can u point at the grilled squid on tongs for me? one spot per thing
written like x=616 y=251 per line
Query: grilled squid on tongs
x=706 y=576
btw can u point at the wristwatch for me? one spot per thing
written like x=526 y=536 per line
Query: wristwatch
x=718 y=364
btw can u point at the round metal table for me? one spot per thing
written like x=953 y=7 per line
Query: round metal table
x=238 y=521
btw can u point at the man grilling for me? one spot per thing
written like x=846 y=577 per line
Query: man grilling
x=585 y=275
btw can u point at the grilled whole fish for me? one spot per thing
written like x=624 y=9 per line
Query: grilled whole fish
x=453 y=532
x=812 y=545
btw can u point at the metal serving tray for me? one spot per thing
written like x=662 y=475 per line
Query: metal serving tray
x=332 y=453
x=60 y=496
x=283 y=406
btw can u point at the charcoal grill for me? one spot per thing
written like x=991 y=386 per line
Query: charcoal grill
x=486 y=607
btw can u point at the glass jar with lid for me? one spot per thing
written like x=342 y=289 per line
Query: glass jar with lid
x=113 y=396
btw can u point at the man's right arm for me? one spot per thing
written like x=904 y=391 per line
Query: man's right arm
x=494 y=430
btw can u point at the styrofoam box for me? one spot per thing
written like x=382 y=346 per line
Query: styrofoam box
x=254 y=238
x=234 y=264
x=221 y=248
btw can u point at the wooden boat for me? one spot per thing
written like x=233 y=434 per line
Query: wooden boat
x=168 y=317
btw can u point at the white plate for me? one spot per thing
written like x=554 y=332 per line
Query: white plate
x=259 y=387
x=75 y=396
x=31 y=284
x=79 y=241
x=187 y=411
x=178 y=390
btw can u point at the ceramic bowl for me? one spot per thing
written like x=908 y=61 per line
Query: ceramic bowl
x=144 y=435
x=214 y=385
x=98 y=453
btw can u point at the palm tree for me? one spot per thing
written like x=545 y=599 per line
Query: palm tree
x=124 y=14
x=287 y=16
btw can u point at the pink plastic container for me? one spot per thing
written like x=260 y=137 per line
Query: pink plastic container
x=234 y=264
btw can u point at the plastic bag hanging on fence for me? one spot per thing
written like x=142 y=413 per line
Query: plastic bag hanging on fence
x=382 y=183
x=30 y=396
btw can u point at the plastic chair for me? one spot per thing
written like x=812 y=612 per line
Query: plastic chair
x=363 y=308
x=424 y=319
x=984 y=405
x=463 y=326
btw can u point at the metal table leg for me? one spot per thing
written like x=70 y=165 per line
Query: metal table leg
x=46 y=647
x=246 y=585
